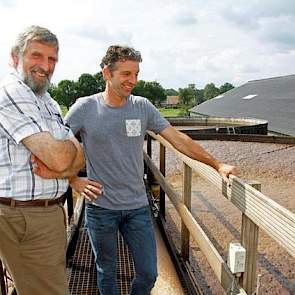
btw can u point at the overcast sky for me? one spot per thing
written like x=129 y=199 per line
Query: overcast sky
x=181 y=41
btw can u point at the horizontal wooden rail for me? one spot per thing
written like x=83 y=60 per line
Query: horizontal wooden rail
x=196 y=135
x=272 y=218
x=214 y=259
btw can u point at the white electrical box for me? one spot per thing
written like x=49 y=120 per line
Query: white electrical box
x=236 y=258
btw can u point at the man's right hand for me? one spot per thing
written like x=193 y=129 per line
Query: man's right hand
x=89 y=189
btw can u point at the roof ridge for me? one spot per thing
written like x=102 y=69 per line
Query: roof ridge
x=271 y=78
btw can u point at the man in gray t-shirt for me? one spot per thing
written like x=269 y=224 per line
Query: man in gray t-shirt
x=112 y=125
x=113 y=140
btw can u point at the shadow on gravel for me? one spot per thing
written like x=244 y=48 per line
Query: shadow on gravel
x=198 y=274
x=262 y=260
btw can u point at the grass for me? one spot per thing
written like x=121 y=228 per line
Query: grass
x=64 y=110
x=173 y=112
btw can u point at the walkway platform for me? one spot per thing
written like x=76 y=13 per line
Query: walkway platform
x=82 y=272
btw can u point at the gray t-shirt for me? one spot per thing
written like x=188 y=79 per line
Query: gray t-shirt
x=113 y=139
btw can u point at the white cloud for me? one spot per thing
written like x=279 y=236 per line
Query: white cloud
x=181 y=42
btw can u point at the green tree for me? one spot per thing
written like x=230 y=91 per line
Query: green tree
x=52 y=90
x=101 y=84
x=210 y=91
x=187 y=96
x=139 y=88
x=66 y=93
x=151 y=90
x=199 y=96
x=155 y=92
x=192 y=85
x=171 y=92
x=87 y=85
x=225 y=87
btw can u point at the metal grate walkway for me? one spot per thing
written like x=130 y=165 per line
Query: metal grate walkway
x=82 y=272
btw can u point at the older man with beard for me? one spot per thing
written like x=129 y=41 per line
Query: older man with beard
x=32 y=226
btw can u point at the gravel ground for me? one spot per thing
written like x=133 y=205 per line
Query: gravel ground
x=273 y=165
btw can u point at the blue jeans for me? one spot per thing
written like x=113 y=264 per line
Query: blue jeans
x=137 y=230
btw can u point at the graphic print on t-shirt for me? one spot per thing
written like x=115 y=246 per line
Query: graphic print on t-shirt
x=133 y=127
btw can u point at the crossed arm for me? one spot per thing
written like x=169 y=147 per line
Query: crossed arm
x=62 y=158
x=183 y=143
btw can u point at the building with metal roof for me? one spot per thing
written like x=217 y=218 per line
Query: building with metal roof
x=271 y=99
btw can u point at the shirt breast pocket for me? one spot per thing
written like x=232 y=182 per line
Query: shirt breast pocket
x=133 y=127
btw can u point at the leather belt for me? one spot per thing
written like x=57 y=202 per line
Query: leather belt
x=40 y=202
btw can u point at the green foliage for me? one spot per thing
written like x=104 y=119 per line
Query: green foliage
x=225 y=87
x=64 y=110
x=101 y=84
x=171 y=92
x=199 y=96
x=210 y=91
x=151 y=90
x=187 y=96
x=87 y=85
x=66 y=93
x=52 y=89
x=139 y=88
x=173 y=112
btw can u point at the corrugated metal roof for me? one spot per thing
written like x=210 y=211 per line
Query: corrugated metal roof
x=274 y=101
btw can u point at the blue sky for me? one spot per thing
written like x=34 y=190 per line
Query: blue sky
x=181 y=41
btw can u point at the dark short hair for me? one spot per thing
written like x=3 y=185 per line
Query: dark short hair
x=33 y=33
x=119 y=53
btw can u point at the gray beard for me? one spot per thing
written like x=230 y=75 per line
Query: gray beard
x=39 y=88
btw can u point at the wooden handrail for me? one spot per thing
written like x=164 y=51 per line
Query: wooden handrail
x=274 y=219
x=258 y=212
x=218 y=265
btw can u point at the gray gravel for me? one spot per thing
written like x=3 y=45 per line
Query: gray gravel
x=273 y=165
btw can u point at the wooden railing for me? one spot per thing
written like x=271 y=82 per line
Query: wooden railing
x=258 y=211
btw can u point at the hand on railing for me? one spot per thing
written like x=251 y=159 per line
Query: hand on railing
x=225 y=170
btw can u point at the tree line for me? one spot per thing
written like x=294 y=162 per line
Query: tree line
x=67 y=91
x=192 y=96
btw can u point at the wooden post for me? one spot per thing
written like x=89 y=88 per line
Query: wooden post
x=149 y=152
x=163 y=171
x=249 y=240
x=186 y=197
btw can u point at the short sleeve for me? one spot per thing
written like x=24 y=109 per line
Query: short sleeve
x=75 y=116
x=156 y=122
x=20 y=114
